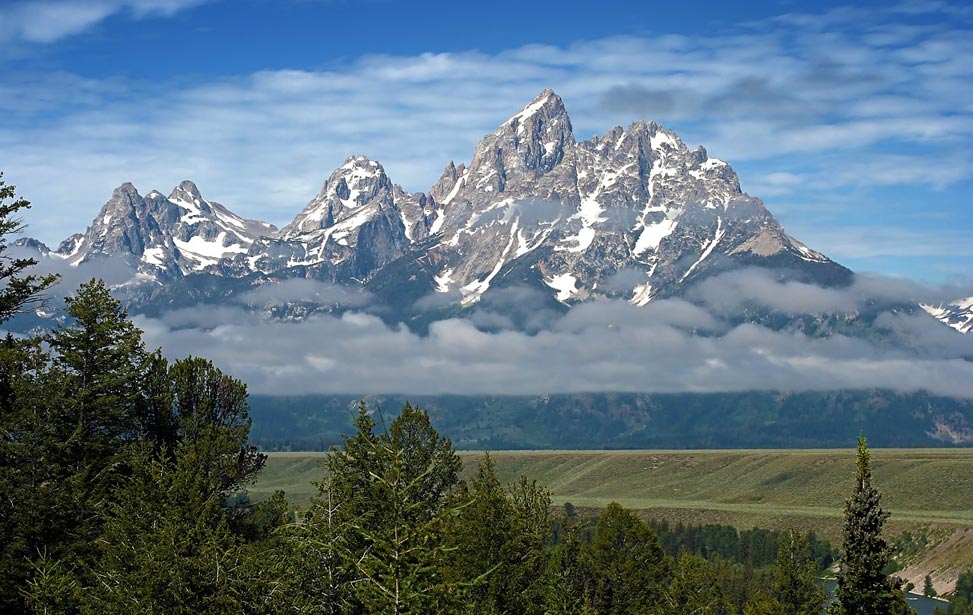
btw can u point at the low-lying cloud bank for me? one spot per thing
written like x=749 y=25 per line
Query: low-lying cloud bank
x=515 y=342
x=672 y=345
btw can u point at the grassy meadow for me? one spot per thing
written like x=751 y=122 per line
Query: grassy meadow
x=928 y=491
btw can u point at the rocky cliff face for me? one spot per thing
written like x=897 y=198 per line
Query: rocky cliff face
x=633 y=214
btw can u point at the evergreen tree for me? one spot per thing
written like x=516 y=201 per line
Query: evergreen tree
x=67 y=419
x=569 y=578
x=498 y=539
x=174 y=541
x=762 y=603
x=927 y=589
x=863 y=587
x=100 y=355
x=19 y=291
x=209 y=408
x=964 y=586
x=38 y=509
x=629 y=567
x=166 y=547
x=961 y=602
x=318 y=560
x=393 y=492
x=794 y=583
x=694 y=589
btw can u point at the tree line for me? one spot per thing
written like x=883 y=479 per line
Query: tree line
x=121 y=482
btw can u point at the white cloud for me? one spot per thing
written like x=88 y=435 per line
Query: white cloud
x=47 y=21
x=603 y=346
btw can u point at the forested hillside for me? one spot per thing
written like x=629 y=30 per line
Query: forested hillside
x=755 y=419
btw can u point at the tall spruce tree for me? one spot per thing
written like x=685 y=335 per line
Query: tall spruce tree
x=19 y=290
x=630 y=569
x=498 y=539
x=37 y=509
x=29 y=514
x=794 y=584
x=174 y=540
x=392 y=491
x=863 y=586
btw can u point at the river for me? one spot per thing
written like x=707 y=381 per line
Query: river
x=921 y=604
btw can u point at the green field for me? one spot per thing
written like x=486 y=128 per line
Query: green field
x=918 y=485
x=926 y=490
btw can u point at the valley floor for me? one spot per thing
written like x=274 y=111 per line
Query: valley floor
x=928 y=491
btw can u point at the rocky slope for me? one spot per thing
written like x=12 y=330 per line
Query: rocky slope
x=633 y=214
x=956 y=314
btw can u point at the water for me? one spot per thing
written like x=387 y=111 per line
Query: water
x=921 y=604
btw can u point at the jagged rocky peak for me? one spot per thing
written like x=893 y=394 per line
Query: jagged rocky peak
x=70 y=246
x=533 y=207
x=211 y=217
x=446 y=183
x=356 y=183
x=33 y=245
x=160 y=235
x=349 y=230
x=118 y=229
x=542 y=130
x=527 y=146
x=421 y=214
x=535 y=204
x=185 y=191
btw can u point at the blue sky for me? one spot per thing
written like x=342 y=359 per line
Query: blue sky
x=854 y=123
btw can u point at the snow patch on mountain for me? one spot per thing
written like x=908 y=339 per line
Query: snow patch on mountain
x=957 y=314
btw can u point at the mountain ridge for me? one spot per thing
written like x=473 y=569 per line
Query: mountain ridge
x=633 y=214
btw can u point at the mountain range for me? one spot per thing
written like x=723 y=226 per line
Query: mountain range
x=633 y=214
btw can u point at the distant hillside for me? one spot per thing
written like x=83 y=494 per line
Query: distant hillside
x=633 y=421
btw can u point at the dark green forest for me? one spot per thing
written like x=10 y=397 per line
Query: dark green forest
x=123 y=478
x=753 y=419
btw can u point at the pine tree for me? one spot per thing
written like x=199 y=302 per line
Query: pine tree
x=964 y=586
x=38 y=509
x=694 y=589
x=927 y=588
x=569 y=578
x=498 y=538
x=863 y=587
x=763 y=604
x=393 y=491
x=100 y=354
x=629 y=567
x=174 y=541
x=794 y=584
x=19 y=291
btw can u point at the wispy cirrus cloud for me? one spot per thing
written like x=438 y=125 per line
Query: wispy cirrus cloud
x=47 y=21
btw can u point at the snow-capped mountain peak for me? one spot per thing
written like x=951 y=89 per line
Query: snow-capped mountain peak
x=573 y=214
x=354 y=185
x=185 y=192
x=164 y=236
